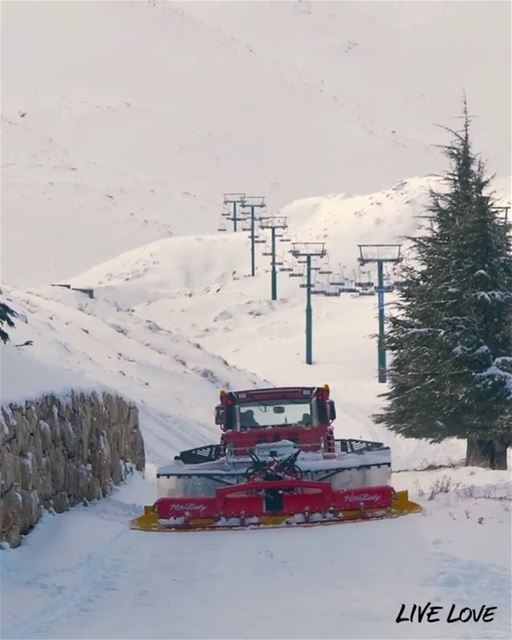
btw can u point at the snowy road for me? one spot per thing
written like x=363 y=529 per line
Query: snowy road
x=86 y=575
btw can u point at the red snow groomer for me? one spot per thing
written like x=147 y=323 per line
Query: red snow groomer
x=277 y=463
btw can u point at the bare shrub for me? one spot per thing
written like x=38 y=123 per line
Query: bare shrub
x=441 y=485
x=419 y=489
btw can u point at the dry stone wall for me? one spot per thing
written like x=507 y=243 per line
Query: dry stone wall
x=56 y=452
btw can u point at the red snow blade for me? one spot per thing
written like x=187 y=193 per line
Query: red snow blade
x=274 y=502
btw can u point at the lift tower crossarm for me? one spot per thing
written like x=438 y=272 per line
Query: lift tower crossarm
x=234 y=200
x=252 y=203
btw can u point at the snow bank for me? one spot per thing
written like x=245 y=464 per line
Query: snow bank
x=24 y=377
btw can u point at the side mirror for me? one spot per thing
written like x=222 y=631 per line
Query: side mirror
x=219 y=415
x=332 y=410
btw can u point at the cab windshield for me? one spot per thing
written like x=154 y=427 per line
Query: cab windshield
x=275 y=414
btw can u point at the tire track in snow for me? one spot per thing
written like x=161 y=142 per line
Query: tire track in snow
x=84 y=589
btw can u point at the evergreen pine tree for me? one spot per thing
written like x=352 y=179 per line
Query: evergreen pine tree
x=6 y=317
x=451 y=335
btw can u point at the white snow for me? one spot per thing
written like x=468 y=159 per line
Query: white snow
x=142 y=126
x=85 y=575
x=23 y=377
x=116 y=154
x=164 y=373
x=196 y=262
x=131 y=336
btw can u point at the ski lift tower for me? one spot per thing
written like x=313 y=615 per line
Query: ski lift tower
x=253 y=203
x=233 y=200
x=274 y=223
x=503 y=210
x=503 y=213
x=380 y=253
x=305 y=252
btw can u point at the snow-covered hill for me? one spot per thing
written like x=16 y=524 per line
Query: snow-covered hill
x=123 y=122
x=174 y=382
x=340 y=220
x=149 y=302
x=152 y=301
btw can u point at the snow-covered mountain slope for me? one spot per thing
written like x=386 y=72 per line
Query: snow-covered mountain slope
x=170 y=267
x=174 y=382
x=136 y=116
x=150 y=301
x=341 y=221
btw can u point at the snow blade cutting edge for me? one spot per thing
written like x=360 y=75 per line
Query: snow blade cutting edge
x=273 y=503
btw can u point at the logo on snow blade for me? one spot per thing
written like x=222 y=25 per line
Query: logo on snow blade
x=363 y=497
x=189 y=506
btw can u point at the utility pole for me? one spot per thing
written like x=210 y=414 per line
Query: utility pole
x=233 y=200
x=253 y=203
x=305 y=252
x=274 y=223
x=380 y=253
